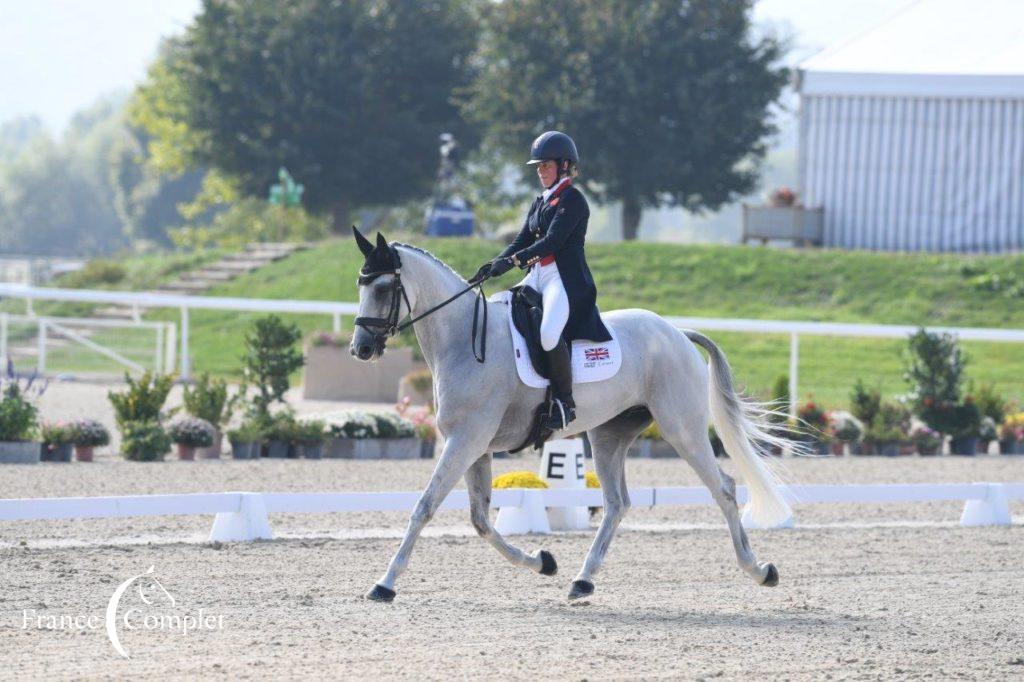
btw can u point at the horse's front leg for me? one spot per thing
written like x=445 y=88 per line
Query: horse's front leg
x=459 y=451
x=478 y=482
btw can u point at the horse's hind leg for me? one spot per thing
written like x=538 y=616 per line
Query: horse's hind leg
x=693 y=445
x=610 y=442
x=478 y=481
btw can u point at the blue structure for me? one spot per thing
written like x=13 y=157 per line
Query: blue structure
x=449 y=219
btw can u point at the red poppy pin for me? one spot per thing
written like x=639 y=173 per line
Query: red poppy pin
x=553 y=202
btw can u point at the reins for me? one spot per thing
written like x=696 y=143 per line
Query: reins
x=391 y=325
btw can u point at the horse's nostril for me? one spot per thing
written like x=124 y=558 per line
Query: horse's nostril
x=365 y=351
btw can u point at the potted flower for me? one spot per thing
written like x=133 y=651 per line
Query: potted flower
x=965 y=428
x=399 y=436
x=814 y=426
x=987 y=432
x=208 y=399
x=137 y=411
x=926 y=441
x=352 y=435
x=844 y=429
x=58 y=441
x=891 y=427
x=417 y=387
x=144 y=441
x=245 y=440
x=308 y=436
x=1011 y=432
x=88 y=434
x=189 y=433
x=18 y=427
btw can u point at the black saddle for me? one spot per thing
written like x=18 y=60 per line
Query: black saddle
x=527 y=312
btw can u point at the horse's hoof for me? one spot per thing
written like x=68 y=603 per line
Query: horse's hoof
x=772 y=579
x=381 y=593
x=580 y=589
x=548 y=565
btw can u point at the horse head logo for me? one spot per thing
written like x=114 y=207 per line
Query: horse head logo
x=150 y=590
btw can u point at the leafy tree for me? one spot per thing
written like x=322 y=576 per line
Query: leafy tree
x=349 y=96
x=668 y=101
x=270 y=356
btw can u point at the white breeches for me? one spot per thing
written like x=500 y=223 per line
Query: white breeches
x=546 y=280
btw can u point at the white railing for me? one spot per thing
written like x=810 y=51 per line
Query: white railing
x=163 y=346
x=241 y=516
x=336 y=310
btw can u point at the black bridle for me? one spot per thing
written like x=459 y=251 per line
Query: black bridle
x=383 y=328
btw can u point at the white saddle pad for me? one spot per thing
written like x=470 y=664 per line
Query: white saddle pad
x=591 y=361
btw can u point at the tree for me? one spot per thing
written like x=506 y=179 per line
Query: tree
x=668 y=101
x=349 y=96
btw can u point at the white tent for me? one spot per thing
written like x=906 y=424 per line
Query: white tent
x=912 y=134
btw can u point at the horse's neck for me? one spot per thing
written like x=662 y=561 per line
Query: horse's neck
x=447 y=328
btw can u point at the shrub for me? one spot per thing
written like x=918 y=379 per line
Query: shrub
x=891 y=424
x=89 y=433
x=309 y=431
x=351 y=424
x=934 y=368
x=57 y=433
x=990 y=403
x=17 y=415
x=144 y=441
x=279 y=427
x=865 y=403
x=270 y=357
x=95 y=272
x=252 y=220
x=143 y=399
x=192 y=431
x=248 y=431
x=208 y=399
x=393 y=425
x=518 y=479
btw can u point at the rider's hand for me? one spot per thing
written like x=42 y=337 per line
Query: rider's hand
x=499 y=266
x=482 y=273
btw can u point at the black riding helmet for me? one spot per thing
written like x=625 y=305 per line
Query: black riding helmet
x=553 y=146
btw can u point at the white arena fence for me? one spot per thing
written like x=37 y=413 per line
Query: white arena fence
x=243 y=516
x=337 y=309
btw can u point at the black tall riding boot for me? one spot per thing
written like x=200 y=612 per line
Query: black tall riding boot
x=563 y=409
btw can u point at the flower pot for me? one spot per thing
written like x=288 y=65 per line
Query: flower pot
x=964 y=445
x=889 y=449
x=213 y=451
x=276 y=449
x=354 y=448
x=866 y=447
x=20 y=452
x=186 y=452
x=907 y=448
x=1009 y=446
x=427 y=446
x=983 y=446
x=401 y=448
x=311 y=450
x=84 y=453
x=838 y=448
x=243 y=449
x=57 y=453
x=926 y=450
x=821 y=447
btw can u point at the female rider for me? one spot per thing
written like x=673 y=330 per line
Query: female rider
x=550 y=245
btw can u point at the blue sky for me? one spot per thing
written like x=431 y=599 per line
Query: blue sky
x=58 y=56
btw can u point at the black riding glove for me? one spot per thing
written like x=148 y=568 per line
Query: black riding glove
x=500 y=265
x=482 y=273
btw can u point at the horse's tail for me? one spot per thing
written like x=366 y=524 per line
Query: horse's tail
x=743 y=426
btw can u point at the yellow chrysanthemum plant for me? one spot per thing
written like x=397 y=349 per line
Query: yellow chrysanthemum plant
x=518 y=479
x=591 y=479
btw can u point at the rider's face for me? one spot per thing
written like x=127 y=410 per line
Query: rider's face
x=547 y=171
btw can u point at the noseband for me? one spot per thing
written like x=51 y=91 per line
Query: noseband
x=383 y=328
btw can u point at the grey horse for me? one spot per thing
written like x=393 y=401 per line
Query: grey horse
x=484 y=408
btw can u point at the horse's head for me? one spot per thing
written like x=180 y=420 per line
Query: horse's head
x=382 y=297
